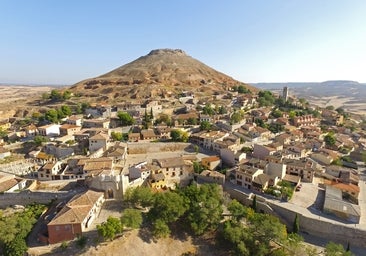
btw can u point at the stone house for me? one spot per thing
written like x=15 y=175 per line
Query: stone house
x=262 y=151
x=75 y=217
x=302 y=168
x=306 y=120
x=49 y=130
x=69 y=129
x=149 y=135
x=96 y=123
x=49 y=170
x=75 y=120
x=207 y=176
x=99 y=141
x=211 y=162
x=244 y=175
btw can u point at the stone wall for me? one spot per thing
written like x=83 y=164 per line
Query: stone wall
x=27 y=197
x=144 y=148
x=315 y=226
x=322 y=227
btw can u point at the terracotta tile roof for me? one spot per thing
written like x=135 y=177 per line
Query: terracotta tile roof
x=77 y=209
x=171 y=162
x=211 y=159
x=8 y=184
x=106 y=164
x=346 y=187
x=100 y=136
x=261 y=179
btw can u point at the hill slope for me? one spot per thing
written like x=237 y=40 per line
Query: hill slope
x=159 y=72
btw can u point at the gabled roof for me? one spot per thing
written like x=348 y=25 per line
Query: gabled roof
x=261 y=179
x=100 y=136
x=8 y=184
x=77 y=209
x=171 y=162
x=211 y=159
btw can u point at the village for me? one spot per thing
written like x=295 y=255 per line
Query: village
x=271 y=146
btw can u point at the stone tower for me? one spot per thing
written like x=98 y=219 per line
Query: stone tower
x=285 y=93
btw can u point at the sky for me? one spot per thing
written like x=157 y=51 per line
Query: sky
x=64 y=42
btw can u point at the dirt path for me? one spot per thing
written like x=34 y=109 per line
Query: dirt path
x=133 y=245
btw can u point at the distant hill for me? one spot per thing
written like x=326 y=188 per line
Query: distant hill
x=158 y=72
x=350 y=95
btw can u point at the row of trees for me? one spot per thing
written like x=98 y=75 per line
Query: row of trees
x=198 y=209
x=57 y=95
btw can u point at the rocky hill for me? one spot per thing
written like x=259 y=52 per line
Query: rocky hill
x=161 y=72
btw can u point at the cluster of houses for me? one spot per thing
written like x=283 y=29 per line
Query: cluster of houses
x=82 y=149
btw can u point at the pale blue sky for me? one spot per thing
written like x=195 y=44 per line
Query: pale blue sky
x=63 y=42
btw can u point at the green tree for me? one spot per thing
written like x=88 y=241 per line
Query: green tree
x=117 y=136
x=39 y=140
x=179 y=135
x=222 y=110
x=52 y=116
x=3 y=133
x=66 y=110
x=16 y=247
x=66 y=95
x=236 y=117
x=205 y=126
x=140 y=196
x=276 y=128
x=277 y=113
x=131 y=218
x=265 y=99
x=237 y=210
x=330 y=107
x=196 y=149
x=329 y=139
x=125 y=118
x=296 y=225
x=151 y=114
x=242 y=89
x=254 y=203
x=56 y=95
x=204 y=207
x=237 y=236
x=168 y=206
x=160 y=229
x=208 y=110
x=109 y=229
x=333 y=249
x=197 y=167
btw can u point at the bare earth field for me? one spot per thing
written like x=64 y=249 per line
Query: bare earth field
x=348 y=103
x=15 y=97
